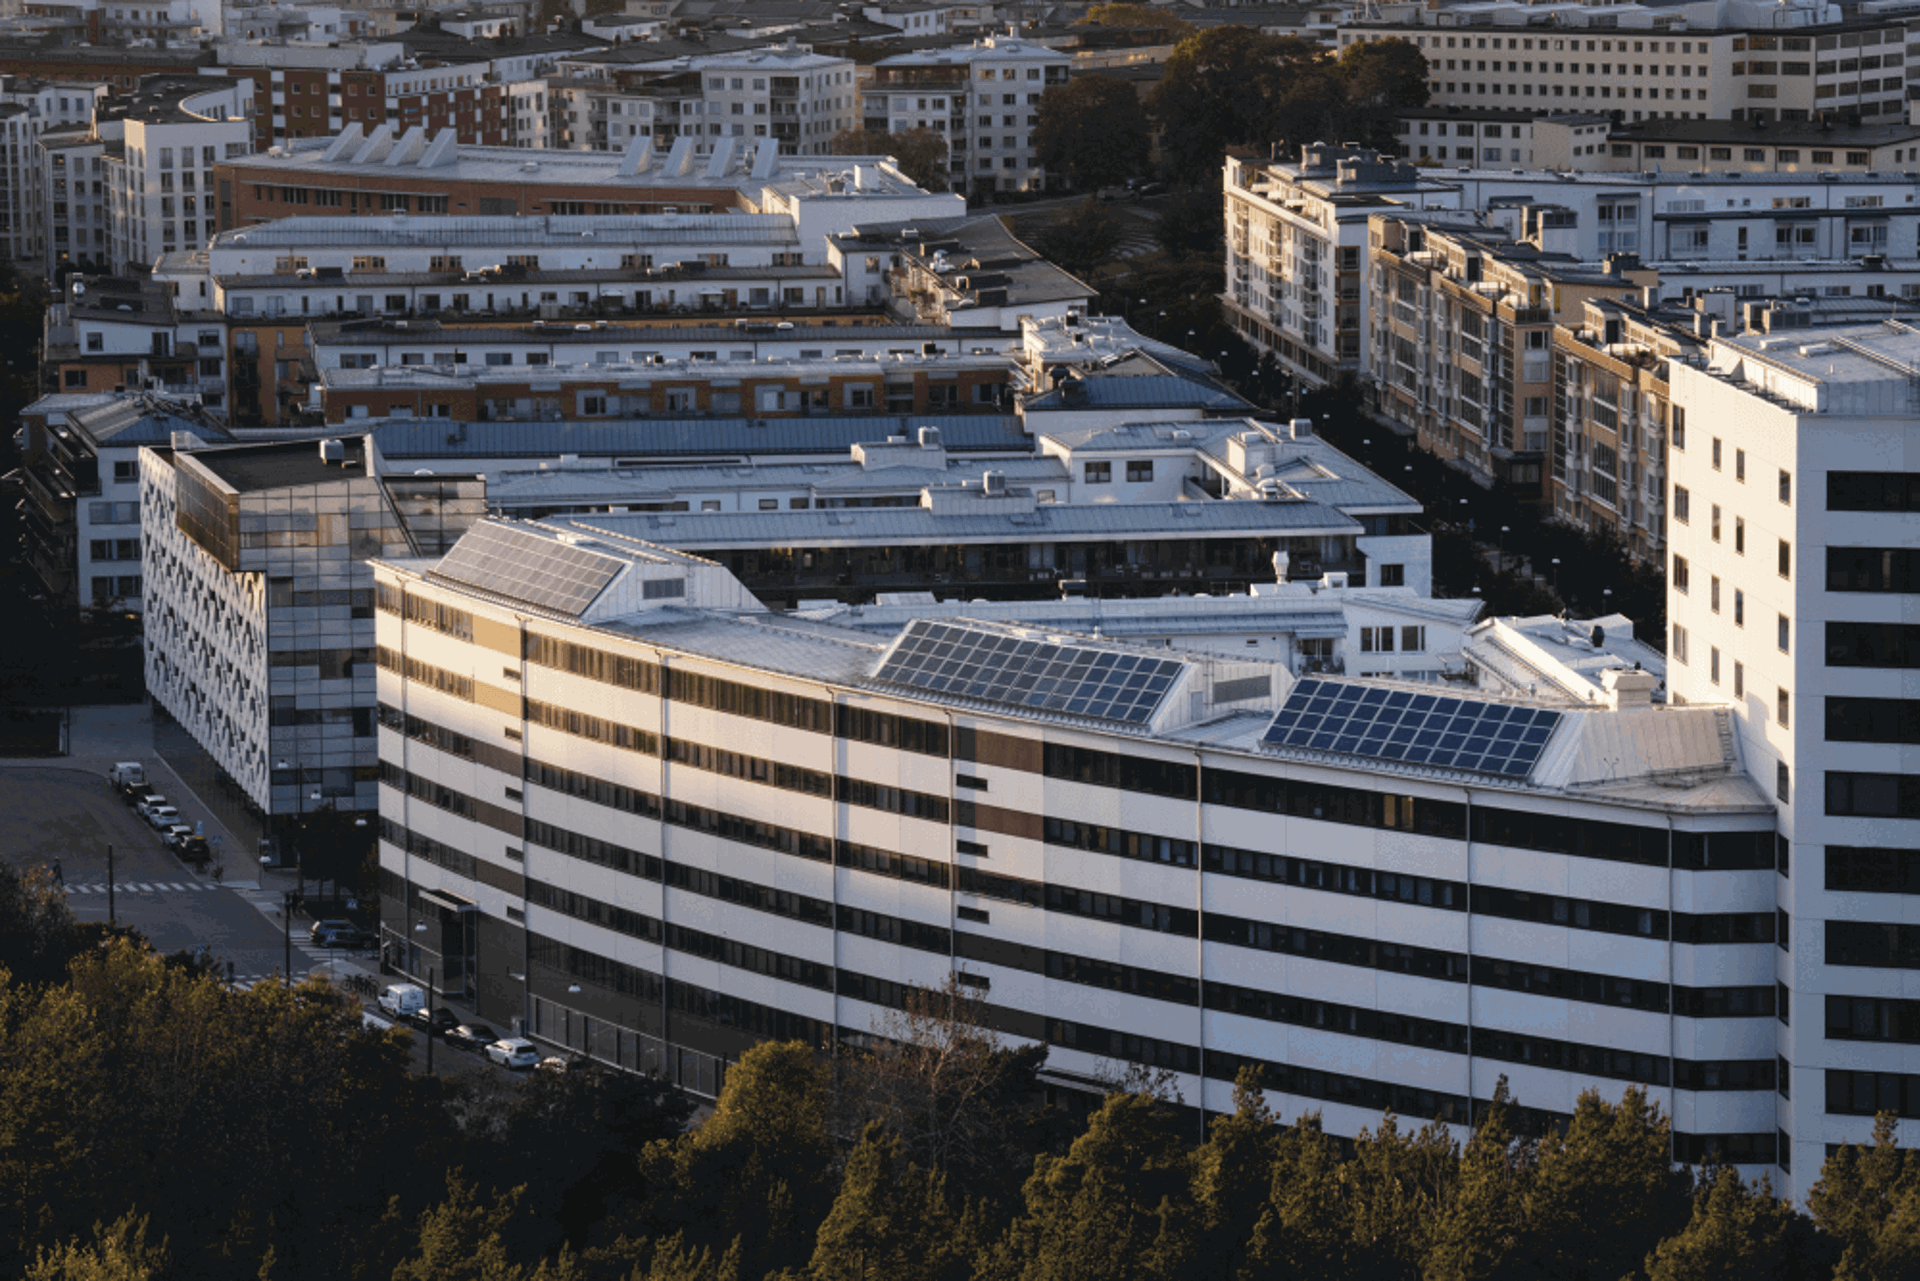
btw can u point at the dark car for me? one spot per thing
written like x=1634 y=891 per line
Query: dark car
x=435 y=1022
x=194 y=849
x=471 y=1036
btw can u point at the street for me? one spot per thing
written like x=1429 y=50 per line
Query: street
x=52 y=813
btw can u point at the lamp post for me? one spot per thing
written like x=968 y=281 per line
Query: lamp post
x=1556 y=575
x=421 y=928
x=286 y=934
x=299 y=769
x=1504 y=531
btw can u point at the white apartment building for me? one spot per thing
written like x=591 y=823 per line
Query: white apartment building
x=30 y=109
x=985 y=97
x=161 y=182
x=685 y=825
x=1298 y=252
x=1705 y=60
x=259 y=603
x=1792 y=543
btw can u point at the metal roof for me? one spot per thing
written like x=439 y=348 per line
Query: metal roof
x=430 y=438
x=433 y=232
x=1045 y=522
x=1147 y=391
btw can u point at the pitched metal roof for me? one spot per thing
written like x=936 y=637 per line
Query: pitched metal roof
x=428 y=438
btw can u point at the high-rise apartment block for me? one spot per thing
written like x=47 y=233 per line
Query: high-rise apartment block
x=985 y=99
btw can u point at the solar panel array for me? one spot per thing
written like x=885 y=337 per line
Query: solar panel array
x=505 y=561
x=973 y=662
x=1419 y=729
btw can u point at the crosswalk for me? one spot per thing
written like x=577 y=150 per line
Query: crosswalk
x=140 y=887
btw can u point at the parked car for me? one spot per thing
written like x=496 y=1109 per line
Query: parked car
x=173 y=835
x=134 y=793
x=194 y=849
x=148 y=801
x=318 y=933
x=471 y=1036
x=161 y=817
x=552 y=1063
x=513 y=1052
x=400 y=1000
x=435 y=1022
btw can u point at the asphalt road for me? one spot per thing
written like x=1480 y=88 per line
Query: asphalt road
x=50 y=814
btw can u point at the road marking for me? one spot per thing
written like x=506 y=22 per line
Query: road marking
x=130 y=887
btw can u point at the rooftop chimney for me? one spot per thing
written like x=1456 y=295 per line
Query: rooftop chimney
x=1628 y=689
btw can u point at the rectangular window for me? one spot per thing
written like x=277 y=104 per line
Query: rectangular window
x=1139 y=470
x=1786 y=559
x=1682 y=577
x=1861 y=795
x=1785 y=635
x=1871 y=720
x=1682 y=504
x=1786 y=487
x=1679 y=646
x=1783 y=708
x=1099 y=473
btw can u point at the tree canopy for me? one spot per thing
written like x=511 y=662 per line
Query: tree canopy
x=1094 y=130
x=1231 y=86
x=920 y=153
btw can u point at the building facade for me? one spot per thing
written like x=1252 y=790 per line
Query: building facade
x=684 y=827
x=985 y=99
x=1790 y=589
x=259 y=605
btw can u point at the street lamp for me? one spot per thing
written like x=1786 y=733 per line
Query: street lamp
x=286 y=935
x=422 y=929
x=300 y=809
x=1556 y=575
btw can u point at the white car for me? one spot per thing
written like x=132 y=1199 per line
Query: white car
x=514 y=1052
x=161 y=817
x=147 y=803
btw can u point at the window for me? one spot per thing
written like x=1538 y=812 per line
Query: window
x=1786 y=487
x=1376 y=640
x=1740 y=535
x=1678 y=648
x=1393 y=576
x=1740 y=465
x=1682 y=504
x=1681 y=575
x=1713 y=593
x=1714 y=523
x=1785 y=635
x=1786 y=559
x=1852 y=795
x=1099 y=473
x=1716 y=453
x=1739 y=680
x=1139 y=470
x=1782 y=708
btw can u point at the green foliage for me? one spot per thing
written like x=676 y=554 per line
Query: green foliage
x=920 y=153
x=1868 y=1201
x=1120 y=14
x=891 y=1219
x=1740 y=1232
x=1190 y=222
x=1117 y=1207
x=1093 y=129
x=1231 y=86
x=1081 y=238
x=119 y=1251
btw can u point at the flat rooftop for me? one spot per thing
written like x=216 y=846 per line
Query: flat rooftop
x=281 y=465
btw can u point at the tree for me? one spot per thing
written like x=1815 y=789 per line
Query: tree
x=1397 y=1183
x=463 y=1239
x=1232 y=86
x=1381 y=79
x=962 y=1103
x=117 y=1252
x=1122 y=14
x=38 y=936
x=1740 y=1231
x=1868 y=1201
x=762 y=1159
x=1476 y=1229
x=891 y=1219
x=1117 y=1206
x=920 y=153
x=1081 y=238
x=1604 y=1193
x=1230 y=1174
x=1095 y=130
x=1190 y=222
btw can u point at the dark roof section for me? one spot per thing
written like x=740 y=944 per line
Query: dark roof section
x=1802 y=133
x=282 y=464
x=422 y=439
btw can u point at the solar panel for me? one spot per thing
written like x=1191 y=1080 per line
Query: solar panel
x=1383 y=724
x=540 y=571
x=974 y=662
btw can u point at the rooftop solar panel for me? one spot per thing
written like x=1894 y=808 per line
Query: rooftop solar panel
x=540 y=571
x=974 y=662
x=1379 y=723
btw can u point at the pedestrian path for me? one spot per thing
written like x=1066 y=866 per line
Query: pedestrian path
x=139 y=887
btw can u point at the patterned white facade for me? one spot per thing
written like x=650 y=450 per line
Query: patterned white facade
x=657 y=829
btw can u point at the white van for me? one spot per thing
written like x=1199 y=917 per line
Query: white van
x=402 y=1000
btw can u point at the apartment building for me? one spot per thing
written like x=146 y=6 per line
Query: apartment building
x=1612 y=410
x=1281 y=882
x=985 y=97
x=801 y=98
x=1462 y=338
x=1298 y=252
x=78 y=489
x=1708 y=60
x=31 y=110
x=172 y=135
x=1790 y=539
x=111 y=334
x=259 y=603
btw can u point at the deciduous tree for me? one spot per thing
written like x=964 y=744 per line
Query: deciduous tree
x=1094 y=130
x=920 y=153
x=1080 y=239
